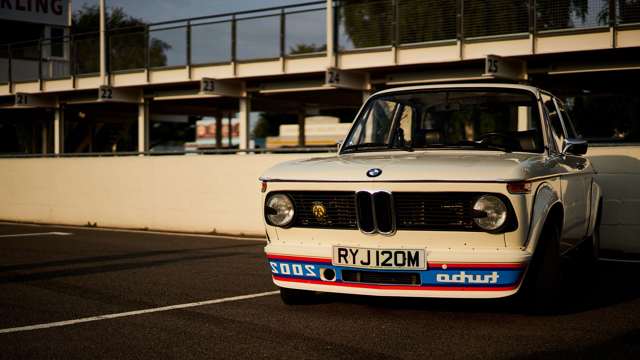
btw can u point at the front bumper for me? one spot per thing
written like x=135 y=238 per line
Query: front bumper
x=449 y=274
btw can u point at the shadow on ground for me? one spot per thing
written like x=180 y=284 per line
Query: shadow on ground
x=601 y=285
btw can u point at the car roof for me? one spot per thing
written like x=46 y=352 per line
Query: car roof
x=532 y=89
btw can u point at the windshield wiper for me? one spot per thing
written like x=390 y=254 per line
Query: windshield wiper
x=483 y=146
x=365 y=146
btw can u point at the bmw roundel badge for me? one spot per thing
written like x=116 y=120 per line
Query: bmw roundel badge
x=375 y=172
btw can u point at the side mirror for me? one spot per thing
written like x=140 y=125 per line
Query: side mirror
x=339 y=145
x=575 y=146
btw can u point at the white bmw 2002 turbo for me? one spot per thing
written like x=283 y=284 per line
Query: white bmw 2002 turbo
x=461 y=191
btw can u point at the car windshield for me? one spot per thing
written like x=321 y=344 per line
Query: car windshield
x=478 y=119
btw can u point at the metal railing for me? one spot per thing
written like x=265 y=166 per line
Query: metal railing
x=248 y=35
x=241 y=36
x=365 y=24
x=292 y=30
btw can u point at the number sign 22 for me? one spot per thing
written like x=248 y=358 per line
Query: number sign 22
x=106 y=93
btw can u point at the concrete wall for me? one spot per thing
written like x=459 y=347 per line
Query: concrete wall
x=177 y=193
x=221 y=193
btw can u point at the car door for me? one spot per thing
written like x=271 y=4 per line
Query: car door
x=580 y=183
x=575 y=179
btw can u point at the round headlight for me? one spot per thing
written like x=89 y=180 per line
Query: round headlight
x=279 y=210
x=494 y=212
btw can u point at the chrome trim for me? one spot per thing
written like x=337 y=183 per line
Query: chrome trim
x=496 y=181
x=376 y=230
x=355 y=199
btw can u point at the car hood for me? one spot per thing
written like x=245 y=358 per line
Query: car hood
x=431 y=165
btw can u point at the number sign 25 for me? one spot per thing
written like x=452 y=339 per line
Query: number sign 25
x=493 y=65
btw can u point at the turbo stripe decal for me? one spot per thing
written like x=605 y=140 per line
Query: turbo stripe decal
x=438 y=276
x=399 y=287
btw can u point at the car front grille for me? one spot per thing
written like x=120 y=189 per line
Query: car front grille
x=384 y=212
x=339 y=209
x=434 y=211
x=375 y=212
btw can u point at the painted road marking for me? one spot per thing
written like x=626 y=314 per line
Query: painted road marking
x=136 y=312
x=153 y=232
x=55 y=233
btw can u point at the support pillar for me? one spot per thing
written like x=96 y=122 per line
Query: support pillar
x=103 y=42
x=368 y=89
x=365 y=95
x=218 y=131
x=301 y=125
x=45 y=136
x=143 y=125
x=331 y=36
x=58 y=130
x=230 y=130
x=243 y=117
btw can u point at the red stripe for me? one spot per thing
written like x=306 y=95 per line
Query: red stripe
x=298 y=258
x=478 y=265
x=398 y=287
x=430 y=264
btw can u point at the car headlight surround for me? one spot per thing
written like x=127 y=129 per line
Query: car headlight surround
x=493 y=210
x=279 y=210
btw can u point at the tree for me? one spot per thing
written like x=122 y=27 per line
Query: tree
x=127 y=40
x=628 y=11
x=566 y=14
x=368 y=23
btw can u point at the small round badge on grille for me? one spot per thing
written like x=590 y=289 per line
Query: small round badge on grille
x=374 y=172
x=319 y=210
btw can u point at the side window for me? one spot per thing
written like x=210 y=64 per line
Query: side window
x=375 y=129
x=568 y=124
x=406 y=123
x=557 y=131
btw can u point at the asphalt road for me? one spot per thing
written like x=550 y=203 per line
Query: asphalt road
x=47 y=278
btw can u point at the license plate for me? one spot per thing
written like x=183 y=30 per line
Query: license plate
x=391 y=259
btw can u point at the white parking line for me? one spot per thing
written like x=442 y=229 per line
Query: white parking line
x=56 y=233
x=133 y=313
x=153 y=232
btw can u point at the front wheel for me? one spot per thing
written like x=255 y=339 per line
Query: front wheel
x=295 y=296
x=544 y=279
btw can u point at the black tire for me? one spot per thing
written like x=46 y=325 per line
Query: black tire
x=296 y=297
x=543 y=283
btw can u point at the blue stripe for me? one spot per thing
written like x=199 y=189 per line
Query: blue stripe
x=468 y=277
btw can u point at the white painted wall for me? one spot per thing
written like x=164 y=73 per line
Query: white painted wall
x=619 y=176
x=177 y=193
x=221 y=193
